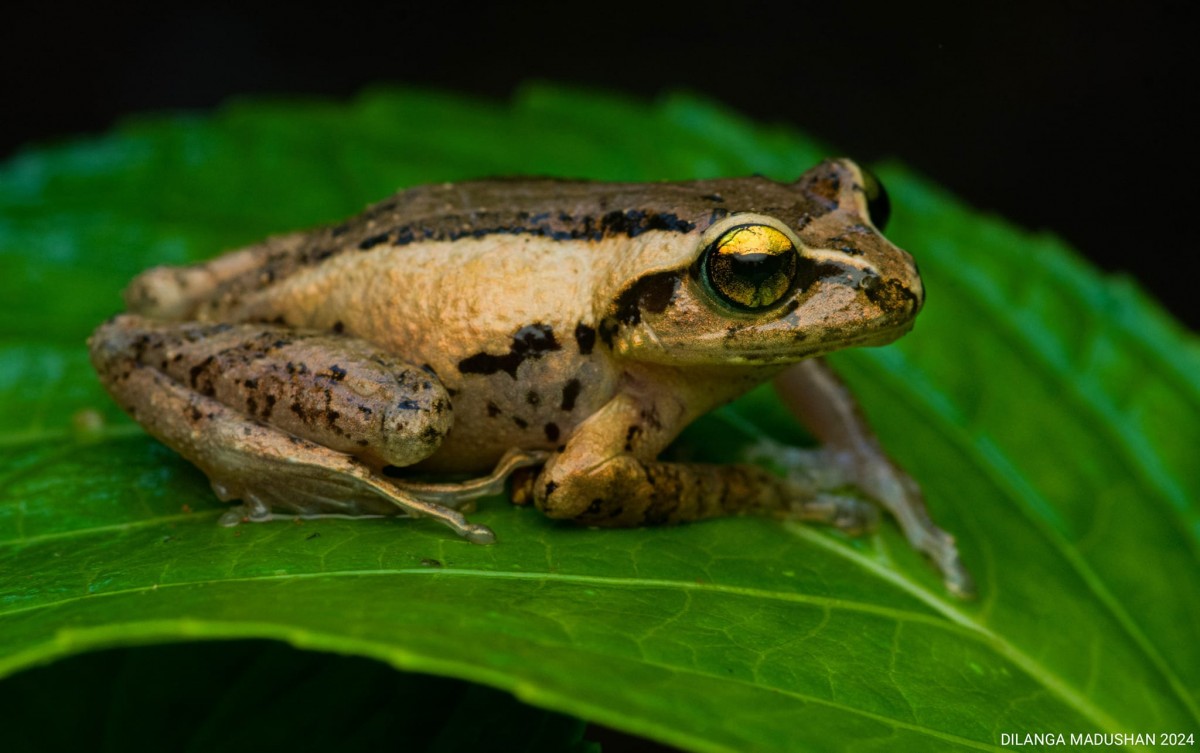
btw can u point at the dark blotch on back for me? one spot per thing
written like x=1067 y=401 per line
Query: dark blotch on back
x=570 y=393
x=585 y=338
x=634 y=222
x=531 y=341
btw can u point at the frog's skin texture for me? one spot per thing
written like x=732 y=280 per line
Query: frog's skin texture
x=563 y=330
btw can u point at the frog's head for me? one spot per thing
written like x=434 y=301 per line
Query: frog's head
x=776 y=285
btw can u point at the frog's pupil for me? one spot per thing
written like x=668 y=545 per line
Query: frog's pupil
x=755 y=269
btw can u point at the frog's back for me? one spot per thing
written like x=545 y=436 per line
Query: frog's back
x=565 y=212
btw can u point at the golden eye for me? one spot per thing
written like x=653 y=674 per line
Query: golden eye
x=751 y=266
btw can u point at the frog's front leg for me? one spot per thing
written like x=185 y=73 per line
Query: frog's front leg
x=608 y=476
x=290 y=422
x=815 y=394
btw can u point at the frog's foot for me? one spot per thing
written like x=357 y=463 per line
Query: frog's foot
x=816 y=475
x=319 y=483
x=441 y=502
x=252 y=509
x=900 y=495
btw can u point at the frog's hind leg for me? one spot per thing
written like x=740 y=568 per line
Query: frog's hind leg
x=187 y=385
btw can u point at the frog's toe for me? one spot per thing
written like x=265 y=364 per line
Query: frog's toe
x=253 y=510
x=958 y=581
x=222 y=490
x=231 y=517
x=954 y=574
x=478 y=534
x=856 y=517
x=851 y=515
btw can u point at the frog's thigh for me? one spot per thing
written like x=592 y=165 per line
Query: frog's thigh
x=269 y=469
x=244 y=457
x=339 y=392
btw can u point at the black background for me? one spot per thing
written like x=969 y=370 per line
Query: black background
x=1065 y=116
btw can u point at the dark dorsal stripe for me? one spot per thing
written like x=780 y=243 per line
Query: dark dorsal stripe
x=560 y=209
x=630 y=222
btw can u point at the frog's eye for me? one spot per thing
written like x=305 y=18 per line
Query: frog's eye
x=751 y=266
x=879 y=206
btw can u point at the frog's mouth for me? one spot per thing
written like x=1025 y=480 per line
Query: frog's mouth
x=776 y=353
x=754 y=346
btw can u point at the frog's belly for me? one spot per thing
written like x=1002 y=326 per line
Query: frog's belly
x=539 y=409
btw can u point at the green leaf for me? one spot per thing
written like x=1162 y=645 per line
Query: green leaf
x=1051 y=415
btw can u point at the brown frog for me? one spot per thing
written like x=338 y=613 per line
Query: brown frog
x=563 y=330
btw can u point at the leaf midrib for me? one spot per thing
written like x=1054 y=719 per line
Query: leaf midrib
x=823 y=602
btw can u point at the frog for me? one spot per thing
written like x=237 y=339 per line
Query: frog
x=553 y=335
